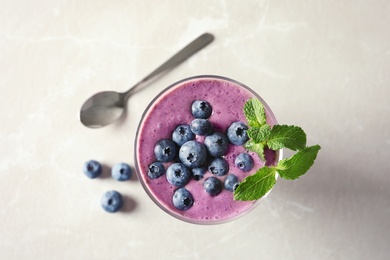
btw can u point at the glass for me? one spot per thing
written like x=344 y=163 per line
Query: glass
x=172 y=107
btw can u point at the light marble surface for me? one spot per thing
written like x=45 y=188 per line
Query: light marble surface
x=323 y=65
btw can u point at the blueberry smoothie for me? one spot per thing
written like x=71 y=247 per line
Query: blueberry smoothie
x=188 y=160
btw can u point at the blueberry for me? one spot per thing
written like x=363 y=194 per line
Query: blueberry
x=182 y=199
x=201 y=109
x=201 y=126
x=111 y=201
x=178 y=174
x=198 y=173
x=231 y=182
x=237 y=133
x=92 y=168
x=217 y=144
x=212 y=186
x=165 y=150
x=244 y=161
x=121 y=172
x=156 y=170
x=219 y=166
x=182 y=134
x=193 y=154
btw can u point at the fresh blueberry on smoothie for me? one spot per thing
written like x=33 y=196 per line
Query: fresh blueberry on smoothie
x=165 y=150
x=182 y=199
x=219 y=166
x=201 y=109
x=216 y=144
x=201 y=126
x=237 y=133
x=178 y=174
x=155 y=170
x=244 y=162
x=193 y=154
x=212 y=186
x=198 y=173
x=182 y=134
x=231 y=182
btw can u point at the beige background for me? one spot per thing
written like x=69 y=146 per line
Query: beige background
x=323 y=65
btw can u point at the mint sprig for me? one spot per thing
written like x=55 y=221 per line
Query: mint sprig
x=277 y=137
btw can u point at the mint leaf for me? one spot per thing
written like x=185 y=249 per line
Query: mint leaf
x=255 y=147
x=254 y=112
x=284 y=136
x=257 y=185
x=297 y=165
x=259 y=134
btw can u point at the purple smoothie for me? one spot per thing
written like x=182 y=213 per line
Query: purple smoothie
x=173 y=107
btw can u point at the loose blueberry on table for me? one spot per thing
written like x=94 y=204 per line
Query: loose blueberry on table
x=111 y=201
x=184 y=158
x=92 y=169
x=121 y=172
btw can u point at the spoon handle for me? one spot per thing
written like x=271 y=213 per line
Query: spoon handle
x=176 y=59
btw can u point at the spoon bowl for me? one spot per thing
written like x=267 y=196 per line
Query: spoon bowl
x=102 y=109
x=105 y=107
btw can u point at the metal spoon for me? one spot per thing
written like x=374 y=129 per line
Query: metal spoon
x=105 y=107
